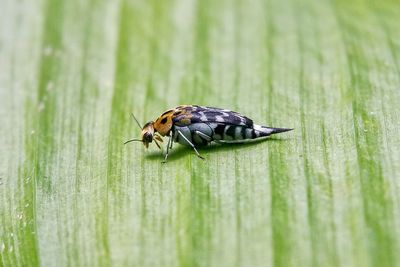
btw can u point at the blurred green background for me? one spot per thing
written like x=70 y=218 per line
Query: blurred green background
x=326 y=194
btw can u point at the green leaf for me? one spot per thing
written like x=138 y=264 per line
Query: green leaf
x=325 y=194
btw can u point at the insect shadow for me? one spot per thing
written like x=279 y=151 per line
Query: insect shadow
x=180 y=151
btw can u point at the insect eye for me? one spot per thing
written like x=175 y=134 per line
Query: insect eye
x=148 y=137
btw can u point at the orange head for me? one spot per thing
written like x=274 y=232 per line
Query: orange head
x=148 y=134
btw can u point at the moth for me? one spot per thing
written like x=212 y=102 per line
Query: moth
x=194 y=126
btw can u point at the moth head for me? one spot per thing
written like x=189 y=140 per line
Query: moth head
x=148 y=134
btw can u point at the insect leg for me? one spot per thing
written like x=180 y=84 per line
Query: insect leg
x=190 y=143
x=205 y=136
x=172 y=141
x=168 y=148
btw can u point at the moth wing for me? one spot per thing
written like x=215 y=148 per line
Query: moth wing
x=198 y=114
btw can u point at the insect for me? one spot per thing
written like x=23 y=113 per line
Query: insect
x=193 y=126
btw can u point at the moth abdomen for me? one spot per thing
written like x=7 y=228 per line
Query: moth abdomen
x=262 y=131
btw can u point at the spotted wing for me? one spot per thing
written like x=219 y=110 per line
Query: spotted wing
x=186 y=115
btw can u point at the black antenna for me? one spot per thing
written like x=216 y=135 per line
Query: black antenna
x=133 y=116
x=132 y=140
